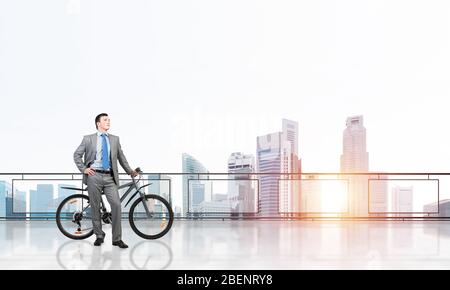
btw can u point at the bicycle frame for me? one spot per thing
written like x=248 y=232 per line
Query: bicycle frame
x=131 y=185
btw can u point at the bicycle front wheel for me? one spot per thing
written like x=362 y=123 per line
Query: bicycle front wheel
x=151 y=217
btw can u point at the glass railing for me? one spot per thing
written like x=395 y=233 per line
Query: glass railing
x=249 y=195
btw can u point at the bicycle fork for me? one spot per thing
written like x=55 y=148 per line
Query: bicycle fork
x=144 y=201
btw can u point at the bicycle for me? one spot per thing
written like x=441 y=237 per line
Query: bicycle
x=150 y=216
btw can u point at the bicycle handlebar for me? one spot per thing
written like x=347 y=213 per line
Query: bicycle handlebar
x=139 y=171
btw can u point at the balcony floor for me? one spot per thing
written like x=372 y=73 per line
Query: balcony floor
x=236 y=245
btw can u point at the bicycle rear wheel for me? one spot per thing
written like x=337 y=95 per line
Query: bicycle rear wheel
x=154 y=224
x=74 y=217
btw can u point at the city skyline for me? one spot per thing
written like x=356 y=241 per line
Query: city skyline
x=275 y=152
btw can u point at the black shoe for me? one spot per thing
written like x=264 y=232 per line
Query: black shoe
x=120 y=244
x=98 y=241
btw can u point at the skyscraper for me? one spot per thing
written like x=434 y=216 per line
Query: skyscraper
x=378 y=202
x=293 y=196
x=41 y=201
x=16 y=209
x=355 y=159
x=191 y=165
x=290 y=132
x=273 y=157
x=5 y=189
x=241 y=192
x=278 y=153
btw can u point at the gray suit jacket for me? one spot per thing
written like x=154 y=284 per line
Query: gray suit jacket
x=88 y=149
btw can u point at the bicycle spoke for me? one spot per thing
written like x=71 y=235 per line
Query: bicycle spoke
x=150 y=217
x=74 y=218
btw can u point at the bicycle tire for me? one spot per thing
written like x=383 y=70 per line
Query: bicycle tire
x=162 y=233
x=58 y=218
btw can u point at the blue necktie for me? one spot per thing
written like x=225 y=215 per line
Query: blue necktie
x=105 y=157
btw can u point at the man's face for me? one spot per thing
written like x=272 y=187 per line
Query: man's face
x=104 y=123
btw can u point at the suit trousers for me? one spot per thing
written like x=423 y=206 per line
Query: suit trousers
x=96 y=184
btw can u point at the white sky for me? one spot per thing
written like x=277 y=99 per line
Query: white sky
x=207 y=77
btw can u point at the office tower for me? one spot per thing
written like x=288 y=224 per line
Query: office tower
x=292 y=199
x=273 y=154
x=41 y=201
x=16 y=205
x=290 y=134
x=241 y=191
x=378 y=199
x=5 y=189
x=355 y=159
x=192 y=183
x=197 y=192
x=402 y=200
x=277 y=153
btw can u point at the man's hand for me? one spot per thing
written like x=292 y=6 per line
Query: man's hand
x=89 y=171
x=134 y=173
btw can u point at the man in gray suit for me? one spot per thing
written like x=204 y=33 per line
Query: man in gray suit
x=100 y=172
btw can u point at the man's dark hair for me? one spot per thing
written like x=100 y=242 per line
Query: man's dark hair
x=97 y=119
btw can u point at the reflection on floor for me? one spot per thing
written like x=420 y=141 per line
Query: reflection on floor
x=236 y=245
